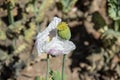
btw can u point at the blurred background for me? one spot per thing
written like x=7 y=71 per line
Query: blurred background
x=94 y=27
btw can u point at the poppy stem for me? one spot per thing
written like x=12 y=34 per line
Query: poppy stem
x=63 y=66
x=48 y=65
x=116 y=24
x=10 y=13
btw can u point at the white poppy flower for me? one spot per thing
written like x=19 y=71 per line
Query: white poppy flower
x=55 y=46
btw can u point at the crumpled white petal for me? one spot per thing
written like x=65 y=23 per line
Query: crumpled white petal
x=42 y=38
x=56 y=46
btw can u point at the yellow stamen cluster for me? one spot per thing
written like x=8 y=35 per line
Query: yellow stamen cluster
x=62 y=26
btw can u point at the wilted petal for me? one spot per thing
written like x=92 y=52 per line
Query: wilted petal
x=53 y=24
x=57 y=47
x=42 y=38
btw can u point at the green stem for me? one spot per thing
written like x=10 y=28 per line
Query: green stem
x=11 y=19
x=10 y=14
x=36 y=13
x=35 y=8
x=48 y=65
x=63 y=66
x=116 y=25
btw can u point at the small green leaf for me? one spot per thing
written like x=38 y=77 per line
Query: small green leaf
x=56 y=75
x=114 y=9
x=39 y=78
x=67 y=5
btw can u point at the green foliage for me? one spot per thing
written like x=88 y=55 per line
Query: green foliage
x=29 y=33
x=110 y=39
x=107 y=53
x=20 y=48
x=18 y=34
x=114 y=9
x=11 y=3
x=55 y=75
x=15 y=30
x=67 y=5
x=30 y=8
x=39 y=78
x=114 y=12
x=42 y=9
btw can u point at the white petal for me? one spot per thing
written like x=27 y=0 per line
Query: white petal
x=53 y=24
x=58 y=47
x=42 y=38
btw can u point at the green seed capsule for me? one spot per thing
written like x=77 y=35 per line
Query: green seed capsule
x=63 y=31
